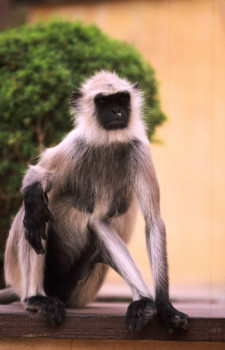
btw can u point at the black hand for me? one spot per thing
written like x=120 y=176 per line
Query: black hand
x=36 y=216
x=170 y=316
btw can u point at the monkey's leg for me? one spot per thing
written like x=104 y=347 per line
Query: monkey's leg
x=73 y=276
x=32 y=255
x=33 y=294
x=114 y=252
x=156 y=243
x=148 y=194
x=86 y=289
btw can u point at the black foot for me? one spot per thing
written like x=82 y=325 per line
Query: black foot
x=51 y=309
x=171 y=317
x=139 y=313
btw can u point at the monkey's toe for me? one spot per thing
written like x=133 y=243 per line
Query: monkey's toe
x=139 y=313
x=50 y=308
x=172 y=317
x=178 y=321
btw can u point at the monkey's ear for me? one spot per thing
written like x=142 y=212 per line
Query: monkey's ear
x=74 y=97
x=136 y=85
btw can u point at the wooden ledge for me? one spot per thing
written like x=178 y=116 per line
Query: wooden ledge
x=106 y=320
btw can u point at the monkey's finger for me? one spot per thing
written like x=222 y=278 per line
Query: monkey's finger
x=43 y=233
x=48 y=315
x=34 y=238
x=184 y=324
x=140 y=323
x=36 y=243
x=27 y=235
x=51 y=318
x=39 y=250
x=30 y=236
x=54 y=311
x=59 y=311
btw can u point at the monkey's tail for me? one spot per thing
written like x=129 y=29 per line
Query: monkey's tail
x=8 y=295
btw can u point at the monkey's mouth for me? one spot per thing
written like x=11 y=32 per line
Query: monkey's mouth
x=117 y=124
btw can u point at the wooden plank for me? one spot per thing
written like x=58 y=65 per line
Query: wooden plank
x=74 y=344
x=107 y=321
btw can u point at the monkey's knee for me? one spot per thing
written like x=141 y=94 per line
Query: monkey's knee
x=50 y=308
x=139 y=313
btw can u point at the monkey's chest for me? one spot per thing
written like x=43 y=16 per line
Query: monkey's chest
x=102 y=189
x=104 y=179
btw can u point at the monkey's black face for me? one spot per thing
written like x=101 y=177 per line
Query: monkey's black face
x=113 y=111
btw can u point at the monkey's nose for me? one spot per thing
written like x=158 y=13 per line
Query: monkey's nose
x=116 y=113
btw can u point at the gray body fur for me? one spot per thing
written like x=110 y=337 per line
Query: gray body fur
x=94 y=180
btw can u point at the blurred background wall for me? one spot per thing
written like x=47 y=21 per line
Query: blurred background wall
x=184 y=40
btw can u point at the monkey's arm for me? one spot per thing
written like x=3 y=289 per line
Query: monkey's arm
x=36 y=215
x=36 y=183
x=31 y=223
x=114 y=253
x=148 y=194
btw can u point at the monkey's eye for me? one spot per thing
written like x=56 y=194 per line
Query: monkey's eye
x=124 y=97
x=99 y=99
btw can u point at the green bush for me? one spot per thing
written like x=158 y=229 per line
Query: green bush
x=39 y=68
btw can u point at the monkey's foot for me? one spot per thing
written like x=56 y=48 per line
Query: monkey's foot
x=51 y=309
x=139 y=313
x=172 y=317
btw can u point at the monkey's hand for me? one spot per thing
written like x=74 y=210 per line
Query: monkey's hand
x=36 y=216
x=171 y=317
x=50 y=308
x=139 y=313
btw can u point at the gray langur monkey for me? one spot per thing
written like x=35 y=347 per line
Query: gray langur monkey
x=79 y=204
